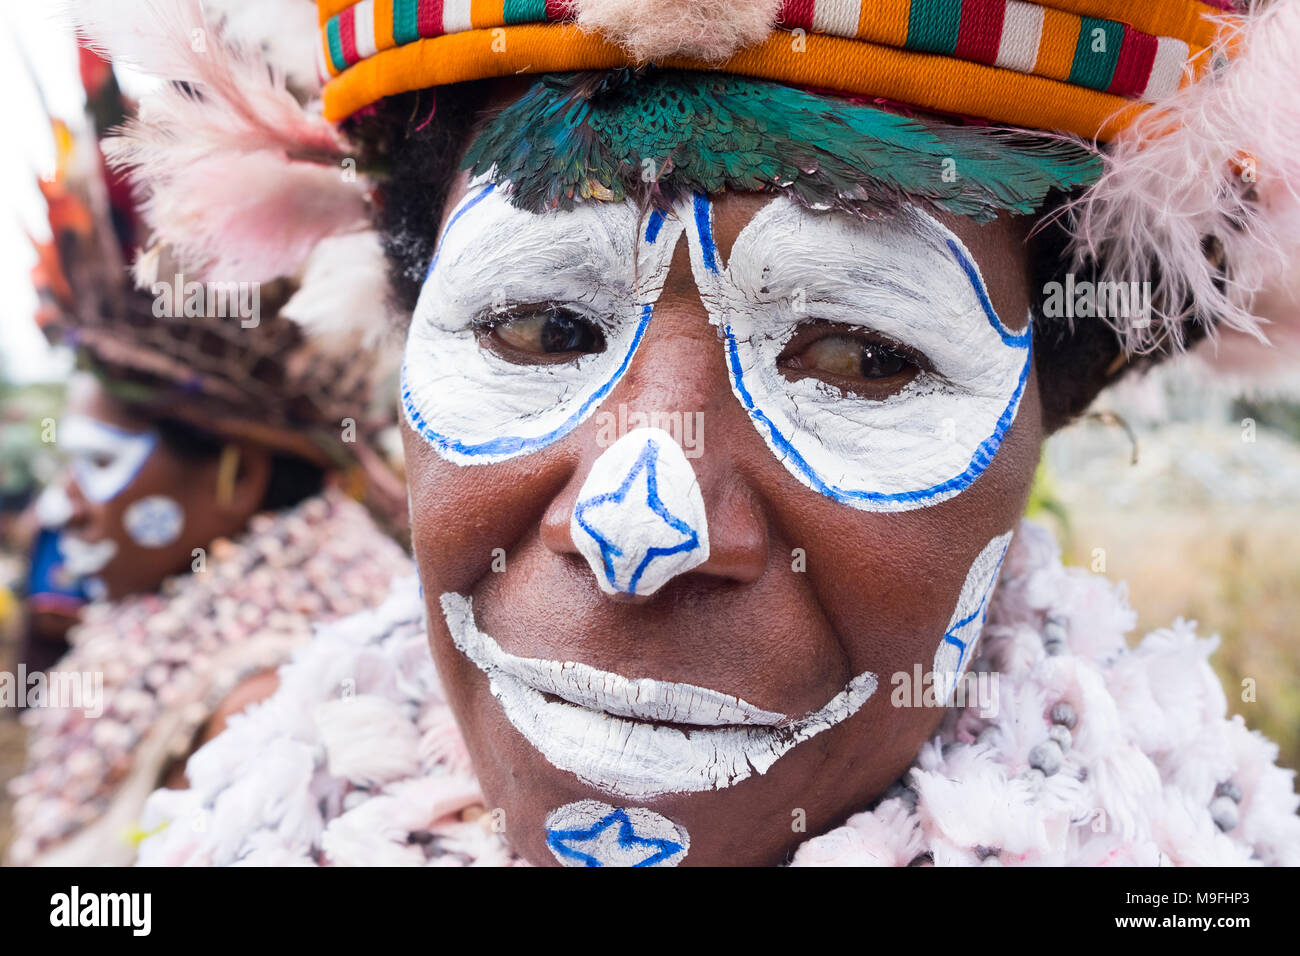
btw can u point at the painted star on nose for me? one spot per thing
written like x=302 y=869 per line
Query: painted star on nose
x=640 y=517
x=612 y=841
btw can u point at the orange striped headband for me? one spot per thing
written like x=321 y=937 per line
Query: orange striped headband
x=1087 y=67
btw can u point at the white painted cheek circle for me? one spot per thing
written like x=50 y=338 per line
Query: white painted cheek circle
x=472 y=405
x=907 y=278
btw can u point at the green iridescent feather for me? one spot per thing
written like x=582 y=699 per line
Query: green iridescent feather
x=662 y=135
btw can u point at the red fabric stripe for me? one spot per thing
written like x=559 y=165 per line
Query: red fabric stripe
x=428 y=19
x=980 y=33
x=558 y=10
x=348 y=35
x=1136 y=57
x=796 y=14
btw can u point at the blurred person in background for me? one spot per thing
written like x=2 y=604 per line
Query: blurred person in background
x=205 y=453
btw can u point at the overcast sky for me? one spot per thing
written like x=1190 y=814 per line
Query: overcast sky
x=29 y=34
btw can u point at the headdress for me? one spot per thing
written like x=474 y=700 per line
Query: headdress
x=223 y=356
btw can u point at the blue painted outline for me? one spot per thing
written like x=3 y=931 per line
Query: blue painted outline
x=653 y=227
x=704 y=229
x=513 y=445
x=79 y=469
x=1015 y=340
x=464 y=207
x=627 y=838
x=648 y=459
x=950 y=637
x=984 y=452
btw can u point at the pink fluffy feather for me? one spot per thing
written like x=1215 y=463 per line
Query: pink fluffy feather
x=1177 y=177
x=238 y=177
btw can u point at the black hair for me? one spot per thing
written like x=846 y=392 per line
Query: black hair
x=292 y=479
x=417 y=140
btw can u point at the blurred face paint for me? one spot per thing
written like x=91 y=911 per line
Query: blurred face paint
x=907 y=279
x=104 y=460
x=154 y=522
x=82 y=558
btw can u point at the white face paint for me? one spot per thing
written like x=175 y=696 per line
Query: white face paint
x=957 y=646
x=81 y=558
x=53 y=507
x=639 y=518
x=104 y=459
x=605 y=729
x=906 y=278
x=154 y=522
x=470 y=403
x=591 y=833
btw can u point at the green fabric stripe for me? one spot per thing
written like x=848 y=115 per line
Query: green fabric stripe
x=336 y=44
x=525 y=11
x=1095 y=68
x=933 y=25
x=406 y=21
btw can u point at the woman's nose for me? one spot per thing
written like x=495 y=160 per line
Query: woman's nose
x=644 y=515
x=639 y=518
x=647 y=505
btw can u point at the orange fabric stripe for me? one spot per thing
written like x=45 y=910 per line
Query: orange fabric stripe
x=884 y=21
x=929 y=82
x=1056 y=48
x=487 y=13
x=1184 y=19
x=384 y=25
x=327 y=8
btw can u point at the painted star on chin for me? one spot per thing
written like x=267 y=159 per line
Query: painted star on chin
x=633 y=526
x=625 y=847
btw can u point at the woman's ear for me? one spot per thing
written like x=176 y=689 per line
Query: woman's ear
x=243 y=474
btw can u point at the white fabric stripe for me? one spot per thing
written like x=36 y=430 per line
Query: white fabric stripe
x=1167 y=70
x=455 y=16
x=364 y=18
x=836 y=17
x=1022 y=31
x=322 y=68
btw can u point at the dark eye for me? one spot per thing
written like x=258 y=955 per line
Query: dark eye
x=547 y=331
x=851 y=357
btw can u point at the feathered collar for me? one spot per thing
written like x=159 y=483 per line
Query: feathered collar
x=358 y=761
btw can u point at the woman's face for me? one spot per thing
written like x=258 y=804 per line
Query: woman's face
x=694 y=496
x=138 y=509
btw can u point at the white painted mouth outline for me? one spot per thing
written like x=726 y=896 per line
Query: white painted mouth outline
x=84 y=558
x=616 y=736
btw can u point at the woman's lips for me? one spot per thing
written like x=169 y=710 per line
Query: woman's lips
x=610 y=731
x=84 y=558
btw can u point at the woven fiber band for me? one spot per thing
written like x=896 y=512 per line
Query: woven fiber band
x=1067 y=65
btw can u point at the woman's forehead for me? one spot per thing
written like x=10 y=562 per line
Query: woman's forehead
x=998 y=247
